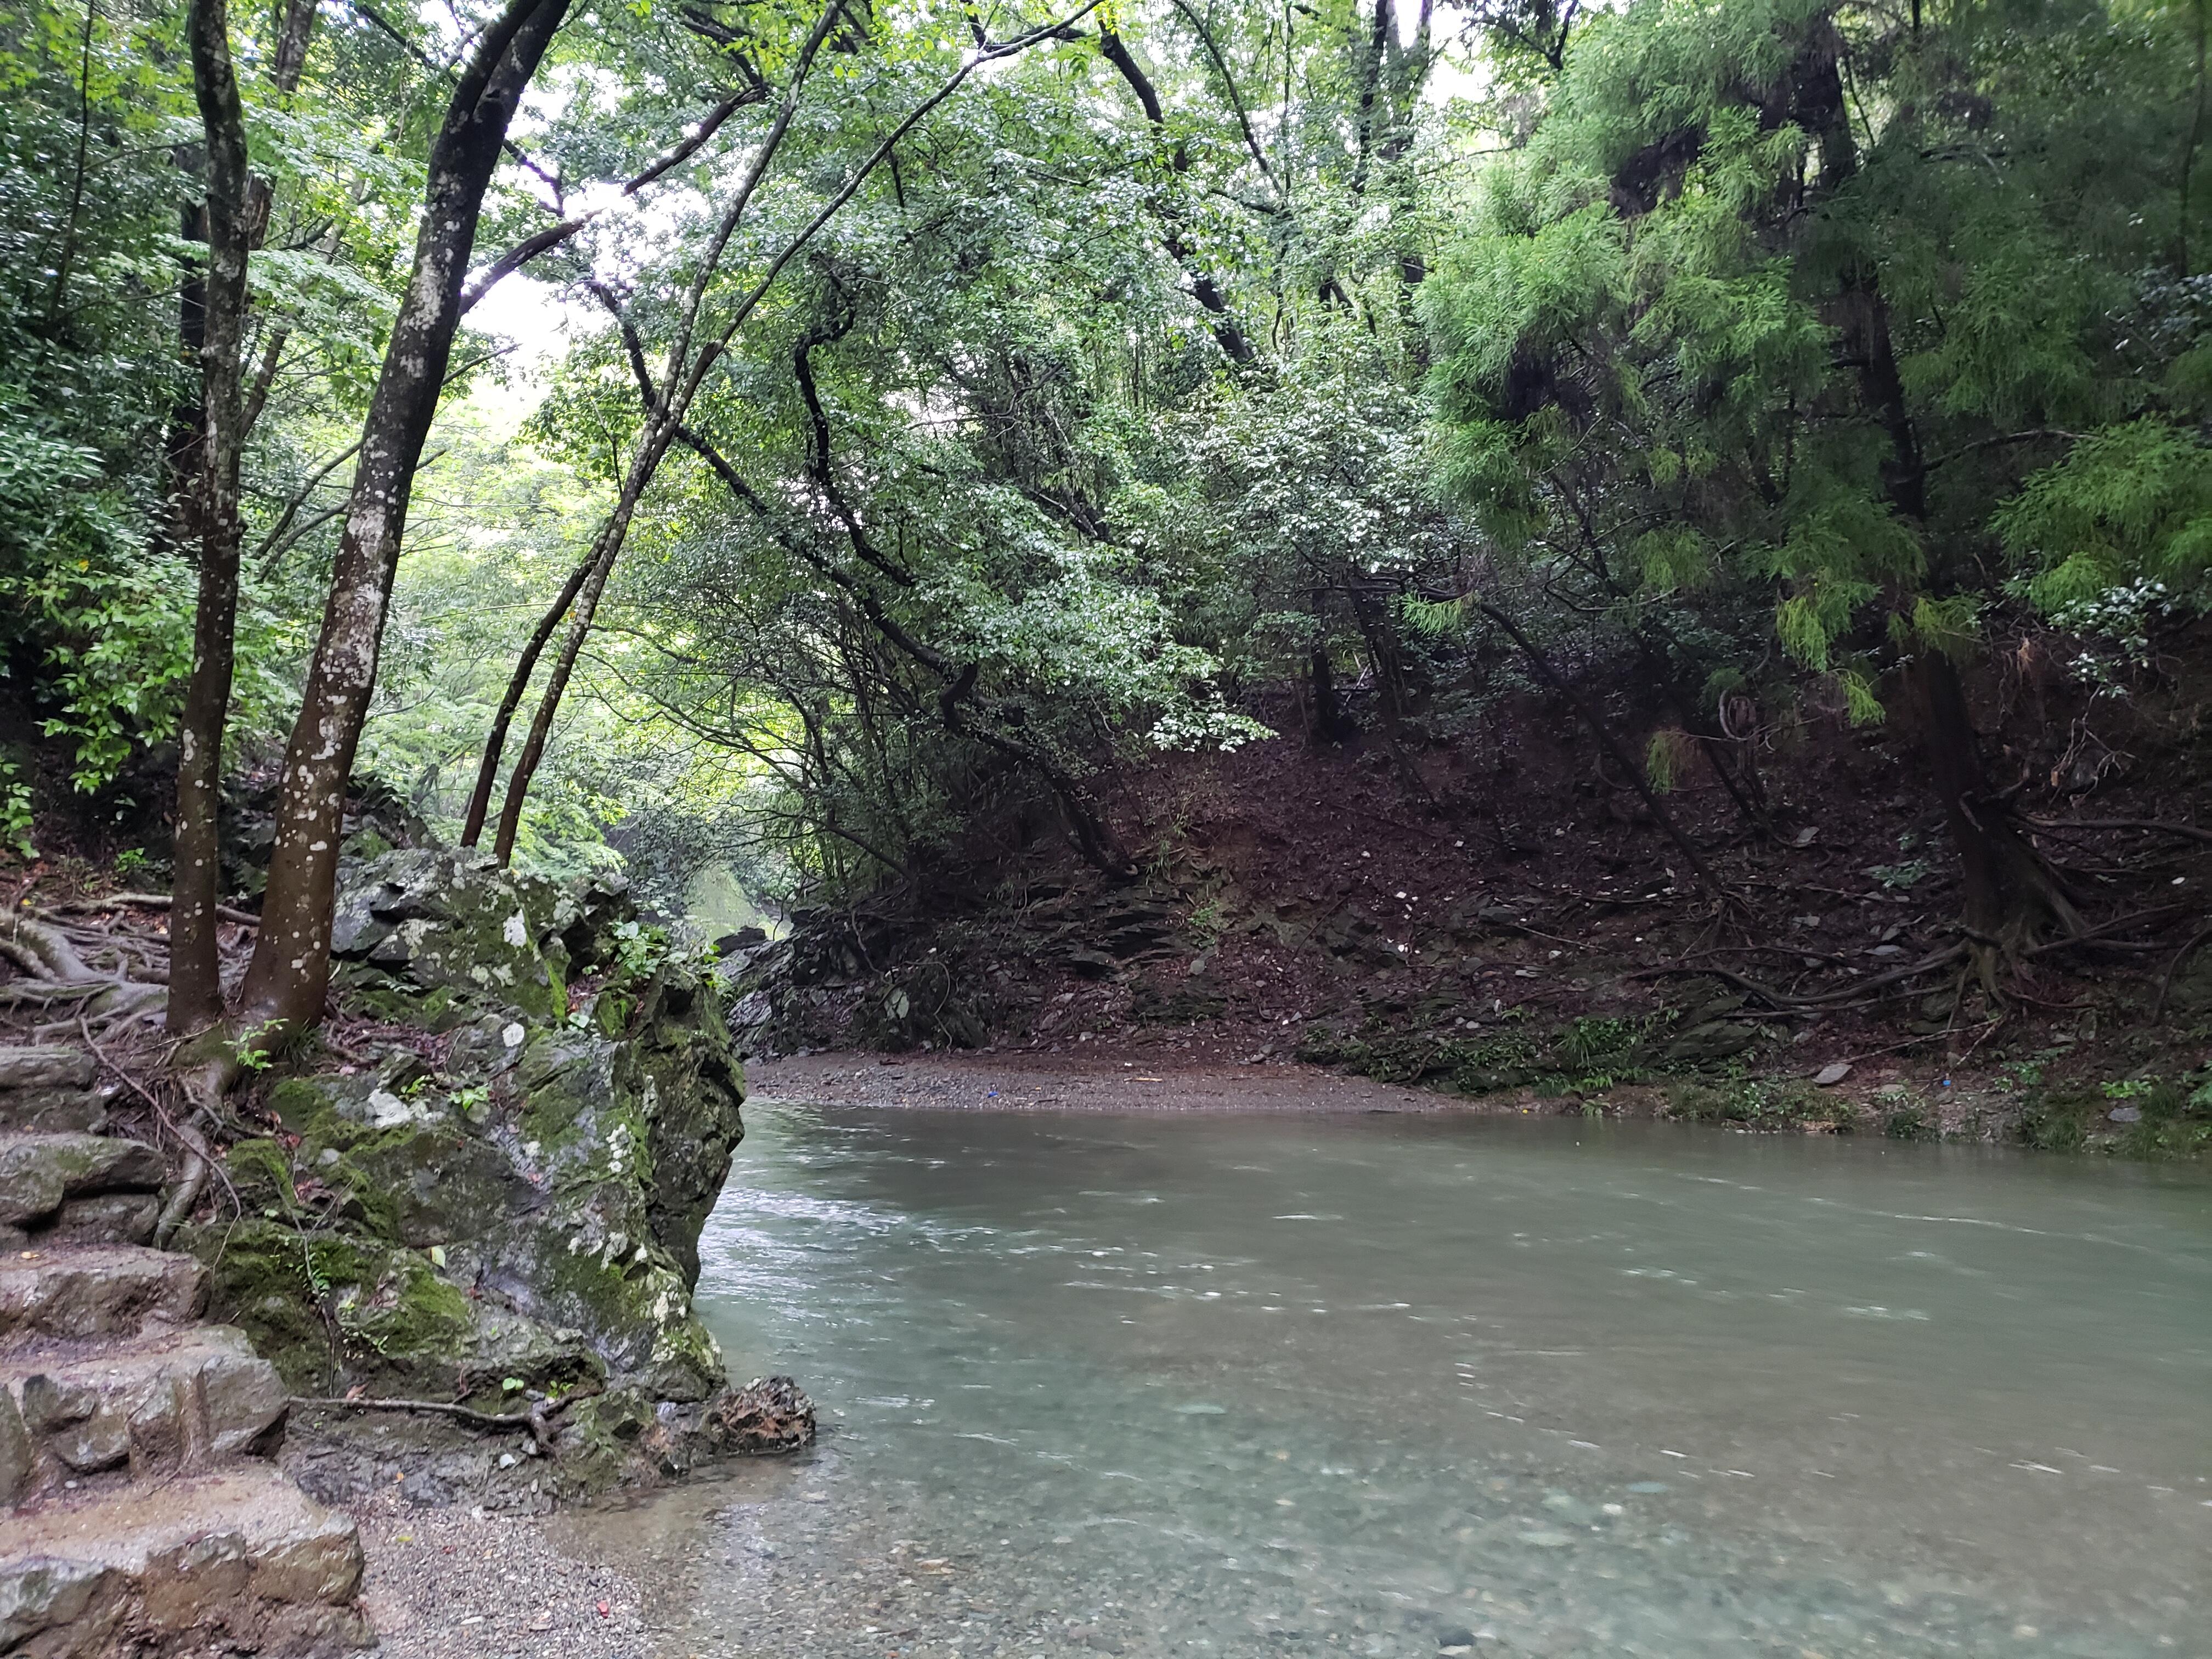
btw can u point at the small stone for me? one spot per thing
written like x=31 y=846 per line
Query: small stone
x=1829 y=1076
x=2125 y=1115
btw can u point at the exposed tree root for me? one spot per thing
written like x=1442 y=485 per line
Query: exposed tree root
x=2174 y=969
x=1828 y=1001
x=157 y=902
x=2156 y=826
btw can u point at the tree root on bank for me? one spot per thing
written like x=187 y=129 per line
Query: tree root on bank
x=537 y=1422
x=157 y=902
x=45 y=952
x=1827 y=1002
x=199 y=1157
x=2174 y=969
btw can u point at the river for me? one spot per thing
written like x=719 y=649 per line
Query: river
x=1393 y=1385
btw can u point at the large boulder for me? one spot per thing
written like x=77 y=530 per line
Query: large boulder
x=493 y=1189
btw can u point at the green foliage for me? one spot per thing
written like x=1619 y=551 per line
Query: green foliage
x=1767 y=1104
x=15 y=809
x=1662 y=332
x=1765 y=343
x=2129 y=504
x=1666 y=757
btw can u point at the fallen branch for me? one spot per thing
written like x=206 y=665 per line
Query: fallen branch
x=532 y=1422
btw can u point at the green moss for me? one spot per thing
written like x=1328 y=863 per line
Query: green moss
x=261 y=1174
x=376 y=998
x=264 y=1275
x=1764 y=1104
x=301 y=1106
x=2058 y=1118
x=409 y=1312
x=610 y=1011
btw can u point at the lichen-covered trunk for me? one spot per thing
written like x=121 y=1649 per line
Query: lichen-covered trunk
x=195 y=982
x=290 y=971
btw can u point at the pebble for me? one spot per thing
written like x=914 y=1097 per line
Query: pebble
x=457 y=1584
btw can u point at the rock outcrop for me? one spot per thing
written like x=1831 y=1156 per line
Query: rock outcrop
x=492 y=1192
x=139 y=1512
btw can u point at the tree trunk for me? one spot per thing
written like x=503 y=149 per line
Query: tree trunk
x=646 y=463
x=1203 y=289
x=2008 y=892
x=290 y=971
x=1329 y=723
x=517 y=683
x=195 y=978
x=687 y=370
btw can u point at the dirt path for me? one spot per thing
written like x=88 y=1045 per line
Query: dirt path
x=1106 y=1080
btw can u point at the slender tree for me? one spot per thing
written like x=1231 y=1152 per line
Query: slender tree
x=195 y=985
x=235 y=213
x=289 y=973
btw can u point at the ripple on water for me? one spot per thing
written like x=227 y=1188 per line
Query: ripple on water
x=1184 y=1450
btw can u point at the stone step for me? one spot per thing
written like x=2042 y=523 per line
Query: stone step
x=39 y=1172
x=105 y=1218
x=95 y=1290
x=240 y=1560
x=53 y=1067
x=49 y=1111
x=158 y=1405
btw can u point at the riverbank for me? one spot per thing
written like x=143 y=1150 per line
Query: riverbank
x=1108 y=1079
x=1883 y=1096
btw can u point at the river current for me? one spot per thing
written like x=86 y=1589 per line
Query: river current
x=1399 y=1385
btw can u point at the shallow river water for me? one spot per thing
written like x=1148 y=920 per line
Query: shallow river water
x=1389 y=1385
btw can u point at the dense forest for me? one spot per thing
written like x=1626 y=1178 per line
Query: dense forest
x=952 y=416
x=1249 y=594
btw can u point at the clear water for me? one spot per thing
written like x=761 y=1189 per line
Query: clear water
x=1385 y=1385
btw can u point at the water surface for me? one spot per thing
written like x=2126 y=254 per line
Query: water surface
x=1387 y=1385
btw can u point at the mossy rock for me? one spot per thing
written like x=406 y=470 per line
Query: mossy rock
x=520 y=1201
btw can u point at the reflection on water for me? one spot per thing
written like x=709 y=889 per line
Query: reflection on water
x=1386 y=1385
